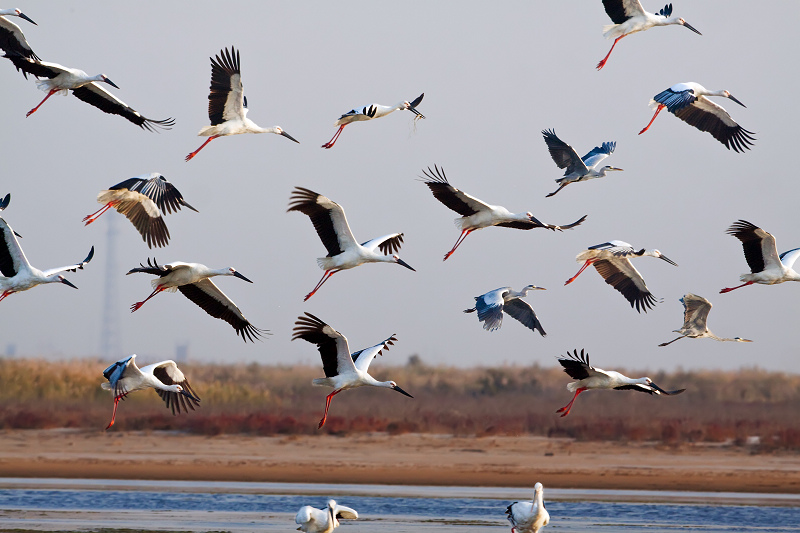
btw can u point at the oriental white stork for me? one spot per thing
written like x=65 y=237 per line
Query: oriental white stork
x=629 y=17
x=529 y=517
x=476 y=214
x=83 y=86
x=143 y=200
x=490 y=307
x=192 y=279
x=312 y=520
x=368 y=112
x=577 y=168
x=610 y=259
x=695 y=314
x=17 y=274
x=165 y=377
x=343 y=370
x=766 y=266
x=12 y=40
x=688 y=102
x=344 y=252
x=578 y=367
x=227 y=105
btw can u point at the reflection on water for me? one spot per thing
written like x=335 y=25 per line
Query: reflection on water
x=239 y=507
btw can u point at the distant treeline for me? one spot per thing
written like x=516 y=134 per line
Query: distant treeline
x=746 y=407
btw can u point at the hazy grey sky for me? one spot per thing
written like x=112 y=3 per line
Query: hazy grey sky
x=494 y=75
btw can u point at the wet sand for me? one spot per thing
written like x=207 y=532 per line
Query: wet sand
x=410 y=459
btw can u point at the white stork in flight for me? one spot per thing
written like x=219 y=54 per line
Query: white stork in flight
x=370 y=112
x=766 y=266
x=12 y=40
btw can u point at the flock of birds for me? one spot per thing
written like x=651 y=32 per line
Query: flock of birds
x=146 y=199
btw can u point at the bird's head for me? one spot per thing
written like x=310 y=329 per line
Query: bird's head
x=656 y=253
x=396 y=259
x=233 y=272
x=104 y=78
x=687 y=25
x=393 y=386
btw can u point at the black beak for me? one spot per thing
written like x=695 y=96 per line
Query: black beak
x=185 y=204
x=289 y=137
x=240 y=276
x=401 y=262
x=411 y=108
x=735 y=100
x=668 y=260
x=67 y=283
x=26 y=17
x=667 y=392
x=108 y=81
x=686 y=24
x=401 y=391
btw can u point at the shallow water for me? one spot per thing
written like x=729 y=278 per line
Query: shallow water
x=192 y=506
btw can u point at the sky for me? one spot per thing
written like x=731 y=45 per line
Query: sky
x=493 y=78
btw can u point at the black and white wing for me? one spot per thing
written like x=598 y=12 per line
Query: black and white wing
x=388 y=244
x=623 y=276
x=652 y=388
x=706 y=115
x=368 y=112
x=759 y=246
x=598 y=154
x=12 y=258
x=214 y=302
x=616 y=248
x=332 y=345
x=363 y=358
x=490 y=308
x=577 y=366
x=621 y=10
x=226 y=98
x=328 y=218
x=522 y=311
x=789 y=257
x=534 y=223
x=564 y=155
x=103 y=100
x=459 y=201
x=114 y=373
x=12 y=40
x=70 y=268
x=156 y=187
x=169 y=374
x=40 y=69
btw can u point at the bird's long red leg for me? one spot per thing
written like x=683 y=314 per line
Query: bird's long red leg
x=586 y=264
x=325 y=276
x=137 y=305
x=461 y=238
x=49 y=94
x=335 y=137
x=567 y=407
x=94 y=216
x=5 y=293
x=188 y=157
x=327 y=406
x=723 y=291
x=658 y=110
x=602 y=63
x=114 y=414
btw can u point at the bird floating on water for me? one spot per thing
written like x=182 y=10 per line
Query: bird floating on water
x=490 y=307
x=165 y=377
x=372 y=111
x=589 y=377
x=312 y=520
x=227 y=105
x=688 y=102
x=529 y=517
x=695 y=315
x=12 y=40
x=476 y=214
x=629 y=17
x=610 y=259
x=143 y=200
x=193 y=280
x=344 y=252
x=766 y=266
x=577 y=168
x=343 y=370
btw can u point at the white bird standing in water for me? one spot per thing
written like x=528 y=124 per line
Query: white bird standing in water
x=529 y=517
x=372 y=111
x=313 y=520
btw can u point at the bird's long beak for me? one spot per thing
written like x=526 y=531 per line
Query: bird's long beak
x=401 y=391
x=615 y=168
x=67 y=283
x=289 y=137
x=420 y=115
x=735 y=100
x=108 y=81
x=667 y=392
x=668 y=260
x=185 y=204
x=401 y=262
x=686 y=24
x=539 y=288
x=240 y=276
x=26 y=17
x=190 y=395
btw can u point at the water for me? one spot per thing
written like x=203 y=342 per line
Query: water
x=238 y=507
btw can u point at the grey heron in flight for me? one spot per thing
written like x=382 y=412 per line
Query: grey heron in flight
x=577 y=168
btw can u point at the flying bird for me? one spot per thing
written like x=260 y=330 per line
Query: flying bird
x=688 y=102
x=143 y=200
x=490 y=307
x=766 y=266
x=372 y=111
x=343 y=251
x=84 y=87
x=578 y=367
x=577 y=168
x=610 y=259
x=227 y=105
x=629 y=17
x=12 y=40
x=17 y=274
x=343 y=370
x=165 y=377
x=193 y=280
x=312 y=520
x=476 y=214
x=529 y=517
x=695 y=315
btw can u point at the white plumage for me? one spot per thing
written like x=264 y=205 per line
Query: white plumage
x=529 y=517
x=369 y=112
x=761 y=253
x=313 y=520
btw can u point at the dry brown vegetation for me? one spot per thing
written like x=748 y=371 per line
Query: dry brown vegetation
x=729 y=407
